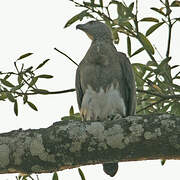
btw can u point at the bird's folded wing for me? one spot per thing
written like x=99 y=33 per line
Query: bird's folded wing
x=79 y=91
x=129 y=81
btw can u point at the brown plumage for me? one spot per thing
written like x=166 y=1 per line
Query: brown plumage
x=105 y=82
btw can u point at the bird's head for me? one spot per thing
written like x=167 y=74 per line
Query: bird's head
x=96 y=30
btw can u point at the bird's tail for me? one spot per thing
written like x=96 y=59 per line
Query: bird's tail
x=110 y=168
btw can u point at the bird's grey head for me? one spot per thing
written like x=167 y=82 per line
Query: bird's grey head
x=96 y=30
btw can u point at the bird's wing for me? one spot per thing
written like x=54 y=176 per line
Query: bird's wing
x=79 y=91
x=129 y=82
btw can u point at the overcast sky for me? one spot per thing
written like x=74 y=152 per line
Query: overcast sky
x=37 y=26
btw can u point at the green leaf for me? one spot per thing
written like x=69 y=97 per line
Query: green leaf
x=163 y=162
x=121 y=10
x=140 y=69
x=143 y=67
x=32 y=105
x=168 y=10
x=6 y=83
x=101 y=3
x=76 y=116
x=29 y=70
x=165 y=61
x=91 y=4
x=177 y=87
x=81 y=174
x=10 y=96
x=175 y=108
x=148 y=75
x=20 y=78
x=40 y=91
x=129 y=46
x=16 y=87
x=152 y=63
x=159 y=11
x=71 y=111
x=77 y=17
x=3 y=96
x=164 y=69
x=33 y=81
x=46 y=76
x=115 y=35
x=146 y=43
x=7 y=76
x=131 y=6
x=165 y=108
x=128 y=25
x=139 y=80
x=55 y=176
x=153 y=28
x=178 y=77
x=43 y=63
x=24 y=56
x=16 y=107
x=177 y=19
x=26 y=177
x=25 y=98
x=137 y=51
x=150 y=19
x=175 y=4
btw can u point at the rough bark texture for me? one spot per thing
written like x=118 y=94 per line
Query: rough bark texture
x=73 y=143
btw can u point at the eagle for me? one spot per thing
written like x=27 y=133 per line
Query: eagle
x=105 y=83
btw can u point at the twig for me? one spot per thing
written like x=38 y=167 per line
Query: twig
x=72 y=90
x=137 y=31
x=160 y=95
x=42 y=93
x=169 y=36
x=158 y=51
x=92 y=9
x=136 y=22
x=157 y=102
x=22 y=77
x=66 y=56
x=107 y=9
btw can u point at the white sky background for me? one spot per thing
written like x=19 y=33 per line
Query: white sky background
x=37 y=27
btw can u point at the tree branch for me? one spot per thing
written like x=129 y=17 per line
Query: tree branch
x=170 y=25
x=72 y=143
x=165 y=97
x=150 y=105
x=66 y=56
x=41 y=92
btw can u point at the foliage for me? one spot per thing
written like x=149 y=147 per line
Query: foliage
x=54 y=177
x=26 y=177
x=25 y=85
x=156 y=87
x=81 y=174
x=72 y=115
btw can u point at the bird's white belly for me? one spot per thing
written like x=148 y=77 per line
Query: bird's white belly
x=99 y=105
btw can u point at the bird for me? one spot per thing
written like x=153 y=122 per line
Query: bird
x=104 y=83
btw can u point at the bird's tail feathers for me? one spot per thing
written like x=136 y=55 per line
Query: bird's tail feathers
x=110 y=168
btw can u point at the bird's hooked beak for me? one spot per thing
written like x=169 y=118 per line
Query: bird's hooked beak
x=80 y=26
x=83 y=28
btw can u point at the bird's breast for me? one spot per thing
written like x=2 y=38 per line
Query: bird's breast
x=101 y=104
